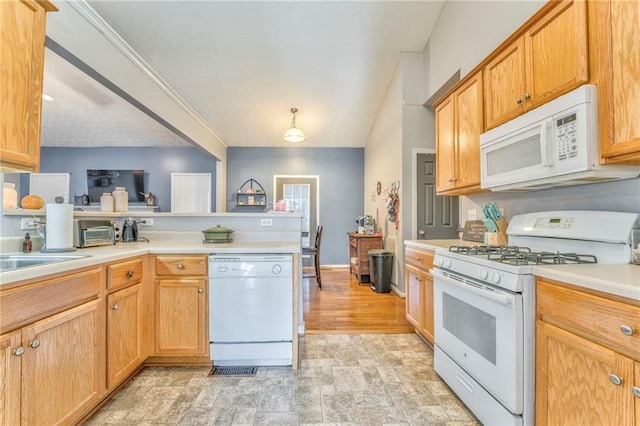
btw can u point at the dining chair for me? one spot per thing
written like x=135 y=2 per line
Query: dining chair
x=314 y=251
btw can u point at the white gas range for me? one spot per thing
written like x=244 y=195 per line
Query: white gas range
x=484 y=305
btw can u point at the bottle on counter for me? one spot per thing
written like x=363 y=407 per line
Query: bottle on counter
x=27 y=244
x=9 y=196
x=120 y=199
x=106 y=202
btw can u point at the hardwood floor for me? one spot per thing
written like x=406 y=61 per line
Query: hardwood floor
x=344 y=306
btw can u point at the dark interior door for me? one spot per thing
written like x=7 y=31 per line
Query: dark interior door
x=437 y=215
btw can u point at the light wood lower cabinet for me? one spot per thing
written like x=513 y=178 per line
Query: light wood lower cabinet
x=586 y=353
x=52 y=350
x=11 y=351
x=181 y=306
x=419 y=301
x=124 y=333
x=126 y=319
x=53 y=368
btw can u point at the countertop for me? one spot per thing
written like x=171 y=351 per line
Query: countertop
x=103 y=254
x=617 y=279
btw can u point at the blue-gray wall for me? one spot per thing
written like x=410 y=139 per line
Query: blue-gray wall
x=158 y=164
x=341 y=185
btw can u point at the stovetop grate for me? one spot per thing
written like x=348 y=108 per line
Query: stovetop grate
x=517 y=255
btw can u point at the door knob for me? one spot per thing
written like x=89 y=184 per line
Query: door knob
x=615 y=379
x=421 y=232
x=518 y=100
x=179 y=266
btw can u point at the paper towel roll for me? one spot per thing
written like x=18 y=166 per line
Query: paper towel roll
x=59 y=230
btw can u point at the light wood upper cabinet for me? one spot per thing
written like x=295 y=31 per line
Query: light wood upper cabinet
x=617 y=39
x=459 y=124
x=550 y=59
x=22 y=37
x=586 y=354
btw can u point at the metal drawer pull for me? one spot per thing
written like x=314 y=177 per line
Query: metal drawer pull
x=35 y=344
x=19 y=351
x=130 y=274
x=627 y=330
x=179 y=266
x=636 y=391
x=615 y=379
x=115 y=307
x=200 y=291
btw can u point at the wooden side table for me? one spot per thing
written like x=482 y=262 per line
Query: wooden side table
x=359 y=246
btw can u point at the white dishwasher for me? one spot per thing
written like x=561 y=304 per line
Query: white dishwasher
x=251 y=309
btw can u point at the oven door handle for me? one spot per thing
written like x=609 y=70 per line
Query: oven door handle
x=502 y=299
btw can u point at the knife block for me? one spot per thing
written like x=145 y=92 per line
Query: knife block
x=499 y=238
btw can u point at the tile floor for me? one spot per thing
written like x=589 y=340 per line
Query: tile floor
x=344 y=379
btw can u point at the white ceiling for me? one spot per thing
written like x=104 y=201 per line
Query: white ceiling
x=243 y=64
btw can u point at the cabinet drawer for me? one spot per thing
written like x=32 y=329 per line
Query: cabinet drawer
x=31 y=302
x=420 y=258
x=594 y=317
x=181 y=265
x=124 y=273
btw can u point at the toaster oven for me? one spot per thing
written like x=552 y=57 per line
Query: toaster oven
x=91 y=233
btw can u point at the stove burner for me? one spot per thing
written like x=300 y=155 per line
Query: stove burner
x=542 y=258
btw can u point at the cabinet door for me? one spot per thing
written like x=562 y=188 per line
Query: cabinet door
x=557 y=53
x=619 y=81
x=469 y=113
x=504 y=85
x=427 y=290
x=573 y=385
x=636 y=392
x=445 y=145
x=124 y=333
x=10 y=361
x=21 y=66
x=181 y=317
x=415 y=299
x=63 y=366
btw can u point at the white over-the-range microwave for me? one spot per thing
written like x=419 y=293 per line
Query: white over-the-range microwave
x=552 y=146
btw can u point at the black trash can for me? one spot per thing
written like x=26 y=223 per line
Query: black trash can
x=380 y=269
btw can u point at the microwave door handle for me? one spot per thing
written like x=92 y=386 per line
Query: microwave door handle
x=546 y=142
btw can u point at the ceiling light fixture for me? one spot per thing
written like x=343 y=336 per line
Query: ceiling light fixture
x=294 y=135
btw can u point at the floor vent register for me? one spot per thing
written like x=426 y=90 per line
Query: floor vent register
x=233 y=371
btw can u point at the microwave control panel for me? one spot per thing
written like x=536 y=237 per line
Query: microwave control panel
x=566 y=136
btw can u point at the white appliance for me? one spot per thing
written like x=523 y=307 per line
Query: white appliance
x=484 y=305
x=554 y=145
x=251 y=309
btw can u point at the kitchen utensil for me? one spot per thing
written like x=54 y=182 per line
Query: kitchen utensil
x=130 y=230
x=217 y=234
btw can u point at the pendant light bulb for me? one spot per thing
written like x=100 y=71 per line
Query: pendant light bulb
x=294 y=135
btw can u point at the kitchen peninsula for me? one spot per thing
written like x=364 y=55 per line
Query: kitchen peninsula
x=81 y=328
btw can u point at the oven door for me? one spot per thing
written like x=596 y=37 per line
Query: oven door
x=481 y=328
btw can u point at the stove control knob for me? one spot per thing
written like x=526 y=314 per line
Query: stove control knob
x=447 y=263
x=438 y=261
x=483 y=274
x=495 y=277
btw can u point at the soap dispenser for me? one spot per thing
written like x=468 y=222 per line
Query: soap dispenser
x=27 y=244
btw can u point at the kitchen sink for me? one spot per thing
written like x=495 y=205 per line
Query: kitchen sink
x=9 y=262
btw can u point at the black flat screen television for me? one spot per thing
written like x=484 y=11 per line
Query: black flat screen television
x=101 y=181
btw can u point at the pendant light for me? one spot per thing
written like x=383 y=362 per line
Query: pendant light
x=294 y=135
